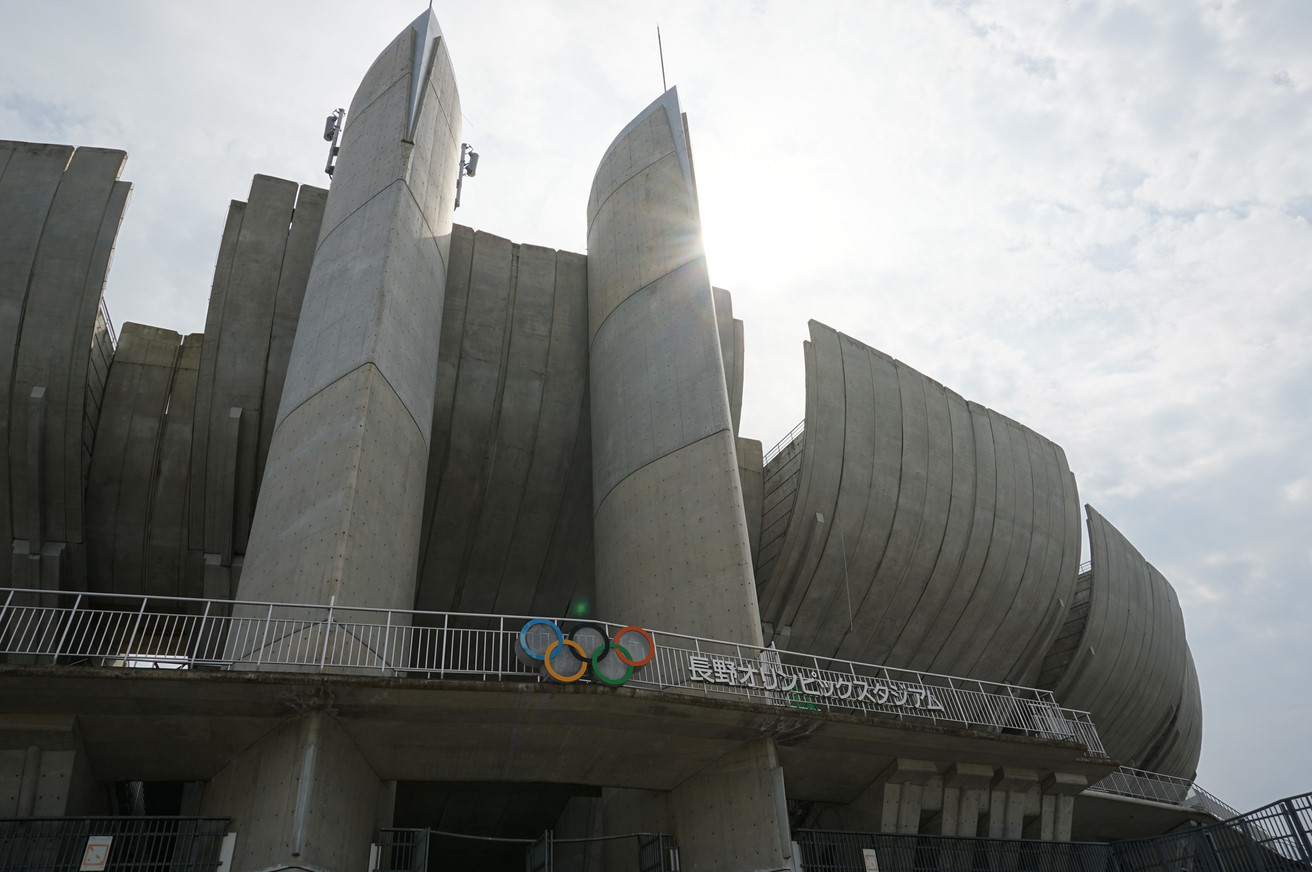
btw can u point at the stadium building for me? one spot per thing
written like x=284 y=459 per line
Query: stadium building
x=438 y=550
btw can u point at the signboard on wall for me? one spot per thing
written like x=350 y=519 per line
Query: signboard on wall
x=95 y=857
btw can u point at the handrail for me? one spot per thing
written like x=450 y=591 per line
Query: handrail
x=180 y=632
x=784 y=442
x=1168 y=789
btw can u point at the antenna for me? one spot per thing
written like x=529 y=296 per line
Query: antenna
x=332 y=132
x=661 y=49
x=468 y=167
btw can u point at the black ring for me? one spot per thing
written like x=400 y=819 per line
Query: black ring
x=608 y=645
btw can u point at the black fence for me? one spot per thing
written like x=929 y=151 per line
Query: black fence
x=420 y=850
x=115 y=844
x=1277 y=838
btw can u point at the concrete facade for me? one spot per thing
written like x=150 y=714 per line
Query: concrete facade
x=388 y=410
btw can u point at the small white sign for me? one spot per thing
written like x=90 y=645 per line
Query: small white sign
x=96 y=855
x=872 y=863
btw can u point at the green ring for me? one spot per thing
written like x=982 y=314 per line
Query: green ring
x=596 y=673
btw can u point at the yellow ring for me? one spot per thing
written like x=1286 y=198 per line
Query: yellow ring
x=583 y=661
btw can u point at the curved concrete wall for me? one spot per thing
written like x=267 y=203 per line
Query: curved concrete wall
x=341 y=503
x=951 y=530
x=1132 y=668
x=60 y=209
x=255 y=304
x=672 y=546
x=507 y=516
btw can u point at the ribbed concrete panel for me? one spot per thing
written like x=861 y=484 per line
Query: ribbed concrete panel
x=255 y=305
x=28 y=181
x=366 y=348
x=946 y=525
x=171 y=568
x=665 y=466
x=58 y=322
x=307 y=220
x=730 y=331
x=750 y=474
x=102 y=352
x=236 y=377
x=505 y=481
x=122 y=480
x=779 y=481
x=1132 y=668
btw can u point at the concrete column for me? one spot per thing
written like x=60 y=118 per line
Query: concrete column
x=1014 y=796
x=302 y=797
x=340 y=507
x=733 y=815
x=965 y=788
x=1059 y=792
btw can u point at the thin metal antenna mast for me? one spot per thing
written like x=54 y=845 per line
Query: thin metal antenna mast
x=661 y=49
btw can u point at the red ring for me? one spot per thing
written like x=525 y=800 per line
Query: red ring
x=651 y=647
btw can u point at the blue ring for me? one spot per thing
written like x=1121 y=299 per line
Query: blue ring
x=523 y=643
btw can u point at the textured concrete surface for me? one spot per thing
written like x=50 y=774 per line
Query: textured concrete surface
x=1132 y=667
x=121 y=490
x=493 y=731
x=507 y=519
x=341 y=505
x=302 y=796
x=922 y=531
x=672 y=547
x=254 y=307
x=60 y=209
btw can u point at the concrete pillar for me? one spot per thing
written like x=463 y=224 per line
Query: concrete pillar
x=44 y=771
x=1014 y=796
x=965 y=788
x=340 y=507
x=302 y=797
x=1059 y=792
x=733 y=815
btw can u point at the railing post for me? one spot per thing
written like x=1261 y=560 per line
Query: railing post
x=387 y=642
x=264 y=637
x=135 y=627
x=1296 y=827
x=200 y=631
x=327 y=631
x=64 y=635
x=441 y=654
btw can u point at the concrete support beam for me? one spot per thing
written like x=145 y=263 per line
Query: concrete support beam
x=302 y=797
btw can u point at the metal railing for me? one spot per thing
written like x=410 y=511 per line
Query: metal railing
x=176 y=632
x=783 y=443
x=1277 y=837
x=1086 y=566
x=1142 y=784
x=124 y=844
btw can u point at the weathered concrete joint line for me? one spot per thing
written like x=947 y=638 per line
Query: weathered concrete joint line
x=344 y=376
x=654 y=460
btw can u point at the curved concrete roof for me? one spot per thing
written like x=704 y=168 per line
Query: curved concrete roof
x=952 y=530
x=1132 y=668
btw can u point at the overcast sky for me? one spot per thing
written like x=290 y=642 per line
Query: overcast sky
x=1092 y=217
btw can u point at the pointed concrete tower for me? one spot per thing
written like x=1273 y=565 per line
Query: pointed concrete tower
x=341 y=502
x=672 y=548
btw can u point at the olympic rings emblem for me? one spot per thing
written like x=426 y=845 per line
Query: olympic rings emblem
x=612 y=663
